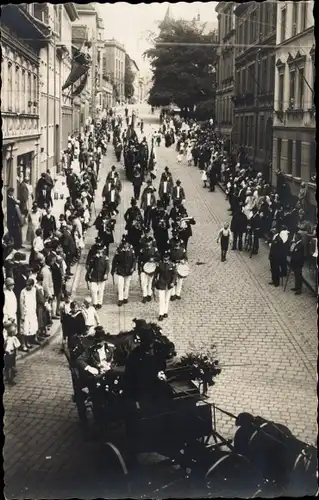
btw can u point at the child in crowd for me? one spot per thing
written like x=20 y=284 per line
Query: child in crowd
x=11 y=344
x=224 y=238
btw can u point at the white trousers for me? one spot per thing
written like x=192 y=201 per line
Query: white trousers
x=164 y=298
x=146 y=282
x=97 y=291
x=177 y=290
x=123 y=286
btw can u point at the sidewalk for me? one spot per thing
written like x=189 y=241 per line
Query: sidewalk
x=308 y=275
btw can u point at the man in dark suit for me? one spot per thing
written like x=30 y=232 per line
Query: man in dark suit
x=97 y=274
x=69 y=248
x=148 y=202
x=238 y=227
x=178 y=192
x=297 y=252
x=14 y=223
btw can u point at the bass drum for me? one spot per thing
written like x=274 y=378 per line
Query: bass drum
x=183 y=270
x=149 y=268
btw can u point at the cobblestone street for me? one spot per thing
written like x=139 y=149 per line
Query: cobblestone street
x=266 y=340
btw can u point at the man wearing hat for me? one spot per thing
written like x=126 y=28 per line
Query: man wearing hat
x=148 y=202
x=97 y=356
x=165 y=189
x=10 y=306
x=178 y=255
x=123 y=264
x=97 y=270
x=148 y=253
x=178 y=192
x=165 y=279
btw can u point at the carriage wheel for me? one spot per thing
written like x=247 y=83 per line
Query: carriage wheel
x=117 y=463
x=231 y=471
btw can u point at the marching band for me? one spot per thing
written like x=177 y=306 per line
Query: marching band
x=160 y=260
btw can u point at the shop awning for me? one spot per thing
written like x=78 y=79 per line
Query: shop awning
x=81 y=84
x=80 y=66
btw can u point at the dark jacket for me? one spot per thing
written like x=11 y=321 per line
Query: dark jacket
x=181 y=193
x=68 y=243
x=57 y=278
x=165 y=276
x=131 y=214
x=169 y=188
x=117 y=198
x=297 y=253
x=238 y=223
x=144 y=198
x=90 y=356
x=124 y=262
x=98 y=269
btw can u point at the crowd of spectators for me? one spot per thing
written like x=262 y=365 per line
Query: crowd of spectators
x=37 y=273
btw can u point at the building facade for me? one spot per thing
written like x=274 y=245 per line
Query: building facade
x=255 y=28
x=21 y=41
x=225 y=71
x=114 y=67
x=136 y=84
x=88 y=21
x=294 y=146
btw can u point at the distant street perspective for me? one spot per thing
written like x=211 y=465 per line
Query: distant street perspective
x=159 y=252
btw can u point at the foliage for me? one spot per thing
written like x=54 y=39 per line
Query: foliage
x=128 y=78
x=205 y=110
x=182 y=74
x=203 y=365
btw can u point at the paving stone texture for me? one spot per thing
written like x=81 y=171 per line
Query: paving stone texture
x=266 y=341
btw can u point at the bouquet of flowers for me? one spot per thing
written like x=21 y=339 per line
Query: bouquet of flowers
x=203 y=366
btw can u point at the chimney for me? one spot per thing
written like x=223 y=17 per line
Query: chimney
x=198 y=17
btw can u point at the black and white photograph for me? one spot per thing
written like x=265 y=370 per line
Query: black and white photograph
x=159 y=245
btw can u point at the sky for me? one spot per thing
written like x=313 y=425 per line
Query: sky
x=130 y=24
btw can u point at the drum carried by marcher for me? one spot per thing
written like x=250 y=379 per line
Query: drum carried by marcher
x=149 y=268
x=183 y=270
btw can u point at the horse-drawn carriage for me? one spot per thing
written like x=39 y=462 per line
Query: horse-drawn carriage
x=179 y=425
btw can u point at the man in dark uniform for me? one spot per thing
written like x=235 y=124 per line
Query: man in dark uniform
x=123 y=264
x=105 y=224
x=134 y=226
x=97 y=270
x=165 y=279
x=178 y=255
x=160 y=229
x=148 y=253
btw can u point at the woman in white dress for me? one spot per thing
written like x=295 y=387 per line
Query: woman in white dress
x=249 y=203
x=28 y=307
x=34 y=222
x=189 y=156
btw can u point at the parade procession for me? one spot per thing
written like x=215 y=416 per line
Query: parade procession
x=159 y=317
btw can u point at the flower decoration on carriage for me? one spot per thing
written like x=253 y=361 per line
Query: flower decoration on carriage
x=203 y=365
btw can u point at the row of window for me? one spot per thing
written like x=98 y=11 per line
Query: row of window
x=261 y=22
x=225 y=23
x=294 y=155
x=264 y=81
x=254 y=134
x=19 y=91
x=297 y=83
x=225 y=68
x=299 y=20
x=224 y=110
